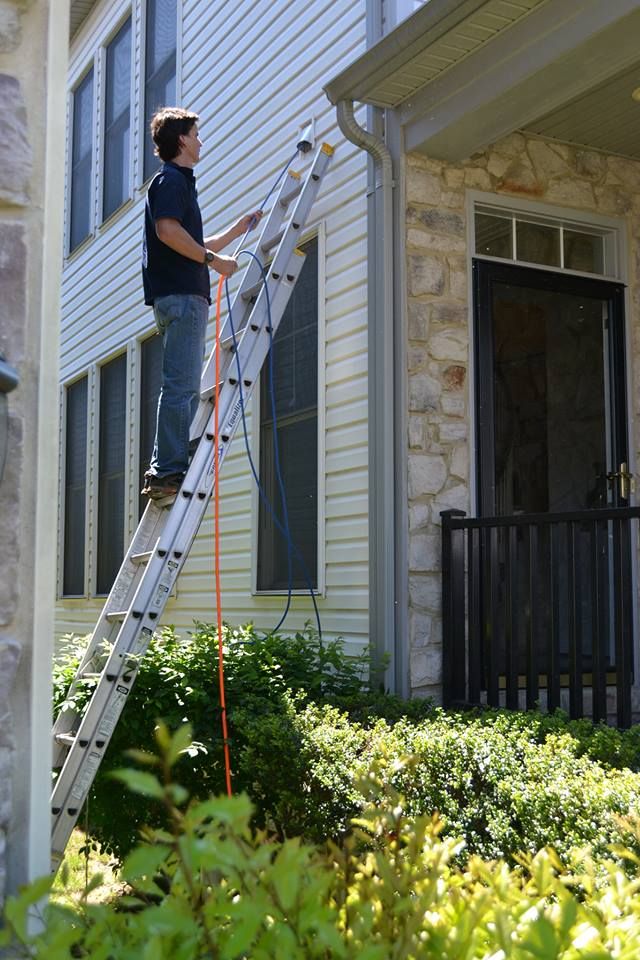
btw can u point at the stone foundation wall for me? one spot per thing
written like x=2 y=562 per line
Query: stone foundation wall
x=439 y=320
x=30 y=262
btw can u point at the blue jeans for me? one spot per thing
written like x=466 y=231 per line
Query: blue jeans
x=182 y=321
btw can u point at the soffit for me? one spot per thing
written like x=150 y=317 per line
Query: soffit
x=79 y=11
x=605 y=117
x=435 y=38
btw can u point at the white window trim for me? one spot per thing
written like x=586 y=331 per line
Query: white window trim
x=89 y=65
x=254 y=440
x=142 y=132
x=103 y=221
x=610 y=228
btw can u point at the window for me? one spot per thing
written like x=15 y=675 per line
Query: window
x=81 y=157
x=117 y=121
x=75 y=488
x=111 y=464
x=528 y=238
x=295 y=377
x=150 y=383
x=160 y=68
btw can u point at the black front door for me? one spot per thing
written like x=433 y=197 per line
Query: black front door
x=551 y=397
x=552 y=443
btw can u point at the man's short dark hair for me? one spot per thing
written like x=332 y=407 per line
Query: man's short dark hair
x=167 y=126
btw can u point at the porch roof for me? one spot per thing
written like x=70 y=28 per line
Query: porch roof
x=463 y=73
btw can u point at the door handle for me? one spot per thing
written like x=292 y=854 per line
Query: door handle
x=625 y=479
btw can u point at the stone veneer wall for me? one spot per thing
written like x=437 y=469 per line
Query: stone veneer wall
x=439 y=348
x=32 y=78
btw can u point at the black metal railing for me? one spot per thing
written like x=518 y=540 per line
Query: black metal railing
x=538 y=611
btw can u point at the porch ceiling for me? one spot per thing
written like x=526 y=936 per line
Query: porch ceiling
x=79 y=11
x=463 y=73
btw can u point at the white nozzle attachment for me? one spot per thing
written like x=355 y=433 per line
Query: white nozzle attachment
x=306 y=139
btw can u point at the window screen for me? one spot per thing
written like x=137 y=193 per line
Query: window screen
x=81 y=155
x=117 y=123
x=295 y=377
x=111 y=487
x=160 y=68
x=150 y=383
x=75 y=488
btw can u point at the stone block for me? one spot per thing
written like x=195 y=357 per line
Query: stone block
x=454 y=377
x=416 y=357
x=452 y=432
x=510 y=146
x=453 y=498
x=498 y=166
x=426 y=276
x=422 y=186
x=418 y=318
x=438 y=221
x=424 y=393
x=416 y=433
x=419 y=514
x=10 y=524
x=590 y=164
x=425 y=591
x=434 y=242
x=460 y=462
x=458 y=277
x=419 y=630
x=424 y=553
x=13 y=283
x=426 y=666
x=15 y=150
x=10 y=23
x=450 y=313
x=627 y=172
x=546 y=161
x=449 y=344
x=477 y=178
x=520 y=178
x=572 y=192
x=10 y=650
x=427 y=474
x=453 y=406
x=454 y=177
x=453 y=199
x=613 y=199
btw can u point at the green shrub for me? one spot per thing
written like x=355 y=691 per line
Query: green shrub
x=305 y=729
x=213 y=887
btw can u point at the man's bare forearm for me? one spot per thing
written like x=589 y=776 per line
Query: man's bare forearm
x=220 y=240
x=173 y=234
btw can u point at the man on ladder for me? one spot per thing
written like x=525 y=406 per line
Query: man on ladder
x=175 y=270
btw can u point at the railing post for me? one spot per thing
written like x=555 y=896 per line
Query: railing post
x=453 y=608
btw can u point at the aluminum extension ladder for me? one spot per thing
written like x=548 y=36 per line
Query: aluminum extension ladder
x=167 y=529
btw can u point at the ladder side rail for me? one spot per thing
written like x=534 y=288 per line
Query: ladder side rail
x=252 y=273
x=105 y=631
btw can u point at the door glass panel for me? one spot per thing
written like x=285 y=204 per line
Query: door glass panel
x=550 y=400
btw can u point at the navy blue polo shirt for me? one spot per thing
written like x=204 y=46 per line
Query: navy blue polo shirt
x=172 y=193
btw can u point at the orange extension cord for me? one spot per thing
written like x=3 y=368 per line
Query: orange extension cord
x=216 y=536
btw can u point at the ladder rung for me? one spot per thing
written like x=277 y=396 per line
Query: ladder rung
x=90 y=676
x=67 y=739
x=272 y=242
x=209 y=392
x=286 y=198
x=252 y=291
x=142 y=557
x=115 y=615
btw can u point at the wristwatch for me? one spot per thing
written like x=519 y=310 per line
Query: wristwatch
x=208 y=256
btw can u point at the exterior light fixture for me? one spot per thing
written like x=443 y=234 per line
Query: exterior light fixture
x=8 y=381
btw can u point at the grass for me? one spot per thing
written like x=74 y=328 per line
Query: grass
x=82 y=865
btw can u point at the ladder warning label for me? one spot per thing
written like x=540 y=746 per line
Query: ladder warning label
x=113 y=711
x=142 y=641
x=85 y=779
x=161 y=593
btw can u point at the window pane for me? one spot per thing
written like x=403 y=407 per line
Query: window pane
x=160 y=68
x=150 y=383
x=295 y=371
x=537 y=243
x=117 y=121
x=82 y=147
x=75 y=488
x=583 y=251
x=111 y=491
x=493 y=236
